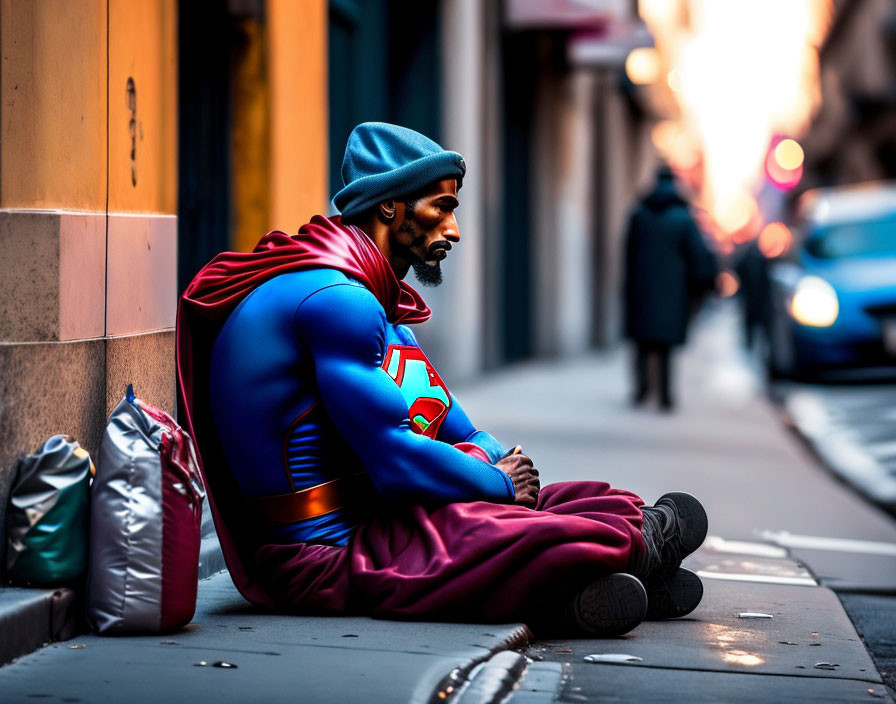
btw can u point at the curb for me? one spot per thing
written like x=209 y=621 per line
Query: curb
x=486 y=679
x=211 y=559
x=494 y=679
x=507 y=673
x=836 y=449
x=30 y=618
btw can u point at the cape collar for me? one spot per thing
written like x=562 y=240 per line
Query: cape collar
x=323 y=243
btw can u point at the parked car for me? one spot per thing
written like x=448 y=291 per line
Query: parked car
x=834 y=294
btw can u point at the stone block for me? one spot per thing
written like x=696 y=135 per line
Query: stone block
x=47 y=389
x=52 y=275
x=142 y=273
x=82 y=275
x=147 y=362
x=70 y=388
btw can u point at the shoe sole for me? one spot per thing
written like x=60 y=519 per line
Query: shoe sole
x=692 y=515
x=611 y=606
x=674 y=596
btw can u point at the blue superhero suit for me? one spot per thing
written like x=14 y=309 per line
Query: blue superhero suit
x=309 y=382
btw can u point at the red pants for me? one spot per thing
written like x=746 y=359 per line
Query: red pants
x=474 y=561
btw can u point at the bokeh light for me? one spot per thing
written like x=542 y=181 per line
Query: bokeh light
x=815 y=303
x=784 y=163
x=727 y=284
x=675 y=144
x=789 y=154
x=643 y=66
x=775 y=239
x=674 y=80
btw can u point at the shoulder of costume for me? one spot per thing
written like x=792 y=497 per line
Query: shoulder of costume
x=406 y=335
x=344 y=312
x=305 y=282
x=338 y=293
x=319 y=277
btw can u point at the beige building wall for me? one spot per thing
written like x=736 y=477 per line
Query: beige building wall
x=88 y=227
x=53 y=145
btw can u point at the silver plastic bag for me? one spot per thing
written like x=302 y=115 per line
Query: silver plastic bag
x=146 y=511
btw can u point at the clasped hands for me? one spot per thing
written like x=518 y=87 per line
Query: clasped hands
x=523 y=475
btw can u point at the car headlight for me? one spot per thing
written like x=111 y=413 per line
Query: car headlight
x=814 y=302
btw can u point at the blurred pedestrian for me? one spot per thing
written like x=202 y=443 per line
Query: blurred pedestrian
x=754 y=293
x=667 y=268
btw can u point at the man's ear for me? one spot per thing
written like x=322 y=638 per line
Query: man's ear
x=387 y=210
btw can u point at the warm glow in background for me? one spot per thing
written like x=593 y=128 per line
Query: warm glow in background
x=738 y=80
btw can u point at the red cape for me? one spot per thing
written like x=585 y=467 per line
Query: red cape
x=204 y=307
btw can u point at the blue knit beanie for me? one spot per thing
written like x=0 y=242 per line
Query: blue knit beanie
x=385 y=161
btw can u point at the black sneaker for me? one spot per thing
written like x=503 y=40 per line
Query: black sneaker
x=609 y=606
x=673 y=596
x=673 y=528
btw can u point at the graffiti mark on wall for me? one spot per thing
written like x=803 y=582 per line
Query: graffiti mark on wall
x=131 y=92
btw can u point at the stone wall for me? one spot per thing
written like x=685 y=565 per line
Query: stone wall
x=88 y=226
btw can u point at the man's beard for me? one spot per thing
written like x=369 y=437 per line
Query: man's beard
x=427 y=274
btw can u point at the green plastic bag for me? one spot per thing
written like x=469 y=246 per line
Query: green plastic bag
x=47 y=521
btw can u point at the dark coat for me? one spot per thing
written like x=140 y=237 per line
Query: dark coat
x=755 y=285
x=667 y=266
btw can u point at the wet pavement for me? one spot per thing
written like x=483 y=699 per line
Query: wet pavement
x=798 y=645
x=784 y=535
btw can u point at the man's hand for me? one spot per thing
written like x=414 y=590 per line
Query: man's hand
x=523 y=475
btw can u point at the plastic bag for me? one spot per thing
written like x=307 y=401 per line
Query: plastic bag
x=47 y=519
x=146 y=513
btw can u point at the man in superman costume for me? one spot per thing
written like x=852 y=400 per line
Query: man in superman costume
x=344 y=477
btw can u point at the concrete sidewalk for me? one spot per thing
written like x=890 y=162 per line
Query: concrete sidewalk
x=783 y=532
x=269 y=658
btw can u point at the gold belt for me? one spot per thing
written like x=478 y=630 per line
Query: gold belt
x=314 y=501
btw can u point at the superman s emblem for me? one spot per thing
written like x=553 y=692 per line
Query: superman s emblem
x=420 y=385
